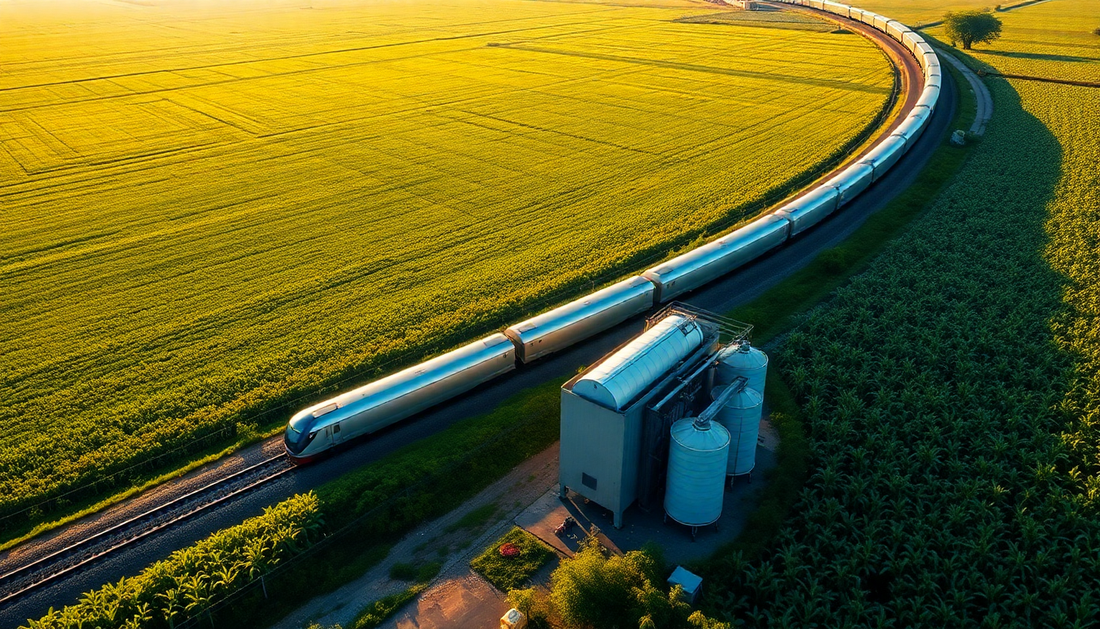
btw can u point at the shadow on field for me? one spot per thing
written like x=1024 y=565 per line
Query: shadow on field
x=929 y=387
x=1040 y=56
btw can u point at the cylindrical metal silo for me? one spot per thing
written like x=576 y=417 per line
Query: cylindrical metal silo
x=741 y=415
x=742 y=359
x=697 y=455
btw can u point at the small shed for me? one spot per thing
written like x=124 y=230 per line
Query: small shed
x=691 y=582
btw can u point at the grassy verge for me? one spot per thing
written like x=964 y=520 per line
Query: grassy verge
x=509 y=572
x=377 y=612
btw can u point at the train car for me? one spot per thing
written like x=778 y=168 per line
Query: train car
x=715 y=259
x=809 y=209
x=868 y=18
x=374 y=406
x=880 y=22
x=563 y=326
x=910 y=40
x=850 y=182
x=913 y=125
x=896 y=30
x=932 y=79
x=884 y=155
x=817 y=4
x=836 y=8
x=855 y=14
x=929 y=97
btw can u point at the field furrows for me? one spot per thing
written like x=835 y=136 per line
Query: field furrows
x=206 y=222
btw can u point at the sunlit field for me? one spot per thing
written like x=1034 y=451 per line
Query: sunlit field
x=215 y=209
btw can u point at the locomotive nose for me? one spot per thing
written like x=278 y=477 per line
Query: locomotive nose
x=297 y=435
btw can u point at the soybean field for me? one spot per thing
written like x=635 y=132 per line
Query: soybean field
x=214 y=213
x=951 y=393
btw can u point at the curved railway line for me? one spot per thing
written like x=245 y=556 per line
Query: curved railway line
x=87 y=550
x=70 y=560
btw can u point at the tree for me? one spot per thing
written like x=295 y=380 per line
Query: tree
x=971 y=27
x=598 y=589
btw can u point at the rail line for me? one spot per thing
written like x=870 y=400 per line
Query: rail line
x=83 y=553
x=38 y=572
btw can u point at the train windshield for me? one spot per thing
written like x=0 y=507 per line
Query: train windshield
x=296 y=430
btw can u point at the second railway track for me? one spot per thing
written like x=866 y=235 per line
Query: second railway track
x=36 y=572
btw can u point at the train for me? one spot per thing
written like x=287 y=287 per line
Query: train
x=317 y=429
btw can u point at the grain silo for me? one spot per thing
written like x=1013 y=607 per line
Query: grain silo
x=616 y=415
x=742 y=359
x=740 y=414
x=696 y=483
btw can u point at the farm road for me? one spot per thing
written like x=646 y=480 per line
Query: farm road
x=740 y=287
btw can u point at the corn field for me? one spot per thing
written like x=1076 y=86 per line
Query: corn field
x=951 y=393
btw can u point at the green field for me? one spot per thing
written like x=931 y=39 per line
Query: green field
x=212 y=210
x=951 y=393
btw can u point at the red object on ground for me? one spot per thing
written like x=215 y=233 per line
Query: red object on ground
x=508 y=549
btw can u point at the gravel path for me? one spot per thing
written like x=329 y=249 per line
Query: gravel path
x=985 y=100
x=512 y=494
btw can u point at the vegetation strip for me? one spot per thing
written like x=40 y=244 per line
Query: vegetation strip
x=75 y=557
x=185 y=584
x=511 y=560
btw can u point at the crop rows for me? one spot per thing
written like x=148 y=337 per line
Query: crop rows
x=200 y=224
x=951 y=393
x=190 y=580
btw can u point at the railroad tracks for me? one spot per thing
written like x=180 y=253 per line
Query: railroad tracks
x=36 y=572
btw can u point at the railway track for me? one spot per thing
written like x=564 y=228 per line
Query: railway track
x=36 y=572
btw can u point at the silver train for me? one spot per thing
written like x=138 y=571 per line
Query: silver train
x=319 y=428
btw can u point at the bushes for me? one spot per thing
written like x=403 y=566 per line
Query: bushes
x=597 y=589
x=509 y=571
x=191 y=579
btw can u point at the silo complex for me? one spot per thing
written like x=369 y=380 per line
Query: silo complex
x=742 y=359
x=623 y=437
x=697 y=457
x=740 y=415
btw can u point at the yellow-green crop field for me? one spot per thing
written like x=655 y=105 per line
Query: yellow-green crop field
x=211 y=210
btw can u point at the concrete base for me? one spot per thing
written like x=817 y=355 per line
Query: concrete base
x=541 y=518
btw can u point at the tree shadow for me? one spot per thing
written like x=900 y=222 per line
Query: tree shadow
x=1039 y=56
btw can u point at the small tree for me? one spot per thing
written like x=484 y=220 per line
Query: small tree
x=971 y=27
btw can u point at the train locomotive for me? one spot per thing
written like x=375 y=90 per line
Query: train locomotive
x=367 y=409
